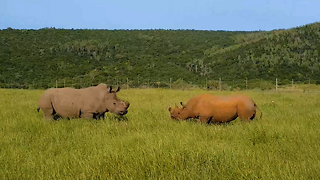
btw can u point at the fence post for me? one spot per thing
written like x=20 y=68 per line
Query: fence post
x=246 y=84
x=219 y=84
x=56 y=83
x=33 y=84
x=170 y=83
x=127 y=83
x=206 y=83
x=64 y=83
x=276 y=84
x=182 y=84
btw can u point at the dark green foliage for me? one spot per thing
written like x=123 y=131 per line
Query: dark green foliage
x=283 y=54
x=80 y=58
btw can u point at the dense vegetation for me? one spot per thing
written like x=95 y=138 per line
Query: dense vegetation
x=149 y=145
x=284 y=54
x=151 y=57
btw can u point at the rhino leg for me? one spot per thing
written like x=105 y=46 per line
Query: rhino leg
x=204 y=119
x=100 y=116
x=48 y=113
x=247 y=114
x=87 y=115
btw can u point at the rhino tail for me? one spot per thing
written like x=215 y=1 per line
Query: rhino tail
x=38 y=109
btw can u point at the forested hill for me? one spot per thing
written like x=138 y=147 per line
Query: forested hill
x=284 y=54
x=91 y=56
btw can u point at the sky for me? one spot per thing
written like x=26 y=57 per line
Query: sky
x=231 y=15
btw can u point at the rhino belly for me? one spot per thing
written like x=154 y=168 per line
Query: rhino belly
x=224 y=114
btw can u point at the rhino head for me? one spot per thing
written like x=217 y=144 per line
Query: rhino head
x=115 y=105
x=176 y=113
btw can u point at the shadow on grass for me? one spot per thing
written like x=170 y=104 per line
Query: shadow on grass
x=212 y=123
x=57 y=118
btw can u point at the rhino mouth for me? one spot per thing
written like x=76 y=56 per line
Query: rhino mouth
x=121 y=113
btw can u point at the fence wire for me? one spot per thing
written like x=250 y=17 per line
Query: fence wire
x=221 y=84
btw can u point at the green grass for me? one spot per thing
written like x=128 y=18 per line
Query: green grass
x=285 y=144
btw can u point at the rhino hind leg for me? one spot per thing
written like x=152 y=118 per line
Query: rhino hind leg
x=254 y=115
x=247 y=113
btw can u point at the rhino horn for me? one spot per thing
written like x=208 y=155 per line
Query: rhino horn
x=182 y=105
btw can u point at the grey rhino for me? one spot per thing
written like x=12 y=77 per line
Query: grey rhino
x=91 y=102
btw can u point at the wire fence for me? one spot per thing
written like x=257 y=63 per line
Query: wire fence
x=127 y=83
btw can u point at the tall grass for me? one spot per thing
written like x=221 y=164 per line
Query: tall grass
x=147 y=144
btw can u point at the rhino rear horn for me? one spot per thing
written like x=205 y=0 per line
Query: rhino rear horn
x=182 y=105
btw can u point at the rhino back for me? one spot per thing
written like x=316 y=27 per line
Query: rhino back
x=215 y=106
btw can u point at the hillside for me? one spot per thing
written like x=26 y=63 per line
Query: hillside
x=284 y=54
x=46 y=55
x=85 y=57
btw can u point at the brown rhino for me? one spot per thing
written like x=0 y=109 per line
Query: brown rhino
x=91 y=102
x=216 y=109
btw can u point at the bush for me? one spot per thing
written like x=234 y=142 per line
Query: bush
x=180 y=84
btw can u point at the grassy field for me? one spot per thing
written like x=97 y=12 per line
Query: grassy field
x=147 y=144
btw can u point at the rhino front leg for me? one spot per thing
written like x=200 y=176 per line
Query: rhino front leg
x=48 y=113
x=100 y=115
x=204 y=119
x=48 y=117
x=87 y=115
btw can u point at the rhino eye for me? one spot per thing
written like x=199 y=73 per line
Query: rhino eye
x=114 y=103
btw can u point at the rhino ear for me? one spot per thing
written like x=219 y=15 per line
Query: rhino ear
x=118 y=89
x=182 y=105
x=169 y=108
x=110 y=90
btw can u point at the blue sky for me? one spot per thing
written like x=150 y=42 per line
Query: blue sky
x=165 y=14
